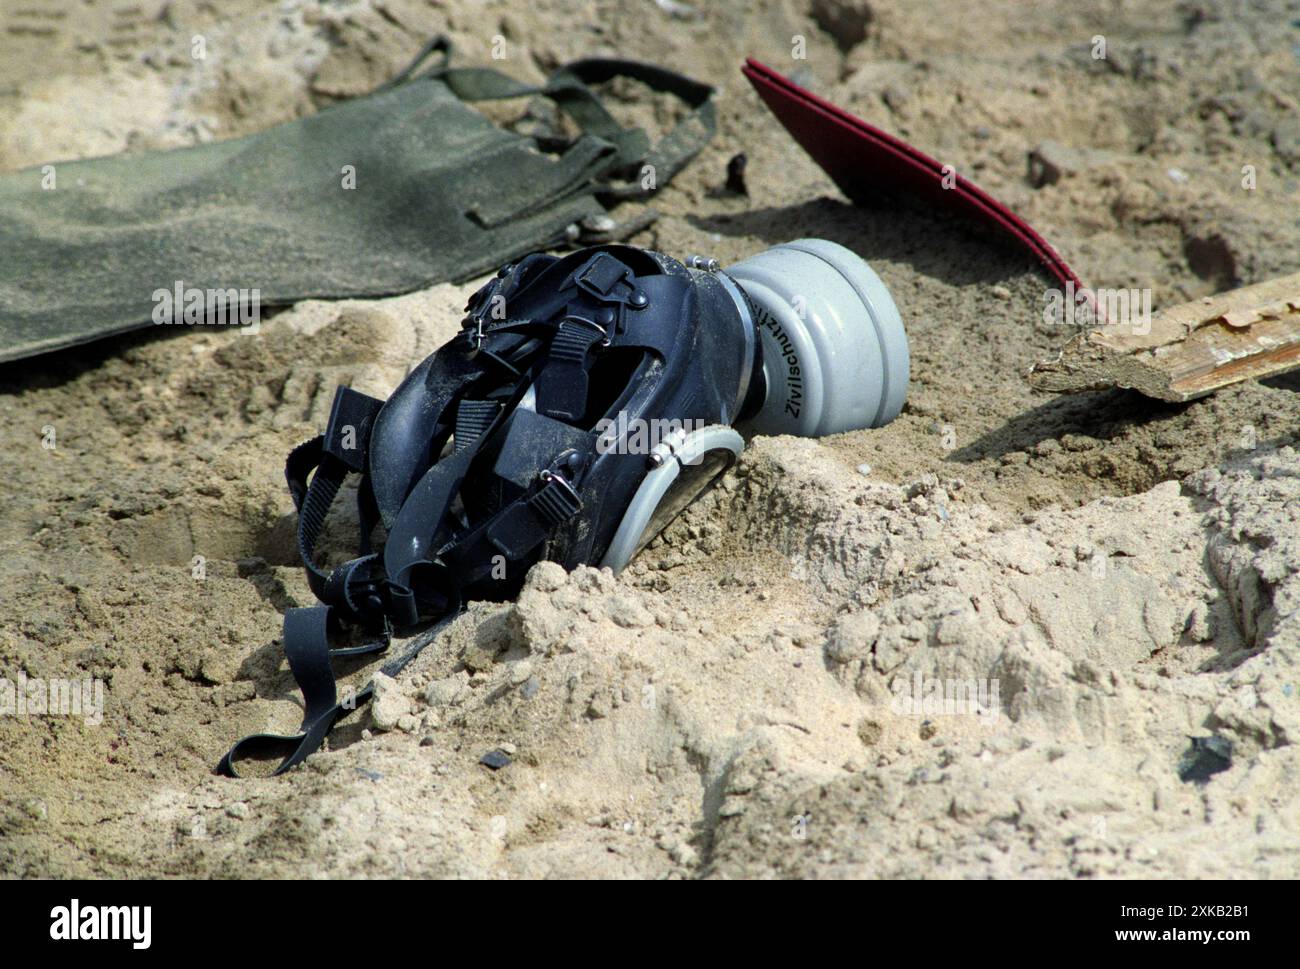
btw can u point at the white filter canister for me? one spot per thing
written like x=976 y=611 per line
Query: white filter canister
x=835 y=354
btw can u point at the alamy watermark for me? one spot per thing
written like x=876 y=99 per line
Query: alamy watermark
x=1088 y=307
x=98 y=923
x=634 y=435
x=193 y=306
x=55 y=697
x=922 y=696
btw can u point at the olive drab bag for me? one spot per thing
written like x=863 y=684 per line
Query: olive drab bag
x=378 y=195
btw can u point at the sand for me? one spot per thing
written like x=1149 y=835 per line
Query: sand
x=1111 y=576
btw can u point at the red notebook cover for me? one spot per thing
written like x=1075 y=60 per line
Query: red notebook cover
x=858 y=156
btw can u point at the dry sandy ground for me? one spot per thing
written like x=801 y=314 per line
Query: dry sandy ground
x=1125 y=573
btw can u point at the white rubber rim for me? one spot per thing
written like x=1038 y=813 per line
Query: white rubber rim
x=657 y=482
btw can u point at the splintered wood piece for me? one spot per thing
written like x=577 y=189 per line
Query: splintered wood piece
x=1186 y=351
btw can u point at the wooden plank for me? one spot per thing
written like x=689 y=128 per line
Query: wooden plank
x=1189 y=350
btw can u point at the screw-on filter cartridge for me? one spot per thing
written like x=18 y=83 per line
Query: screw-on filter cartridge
x=835 y=354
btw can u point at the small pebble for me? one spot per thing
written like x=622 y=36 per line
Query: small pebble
x=520 y=673
x=683 y=854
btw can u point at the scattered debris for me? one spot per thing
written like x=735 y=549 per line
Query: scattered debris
x=677 y=10
x=736 y=174
x=390 y=704
x=602 y=229
x=847 y=21
x=1186 y=351
x=1049 y=161
x=445 y=692
x=1204 y=758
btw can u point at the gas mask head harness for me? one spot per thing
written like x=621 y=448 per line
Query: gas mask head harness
x=586 y=401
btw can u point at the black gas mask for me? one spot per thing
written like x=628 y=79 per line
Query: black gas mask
x=585 y=402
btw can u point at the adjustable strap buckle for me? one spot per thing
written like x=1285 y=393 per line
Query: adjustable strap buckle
x=486 y=309
x=610 y=281
x=530 y=521
x=347 y=436
x=356 y=592
x=556 y=502
x=482 y=303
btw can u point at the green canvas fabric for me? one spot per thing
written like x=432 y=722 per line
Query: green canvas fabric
x=440 y=194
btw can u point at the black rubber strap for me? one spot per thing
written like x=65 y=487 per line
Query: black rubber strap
x=421 y=526
x=325 y=484
x=367 y=513
x=307 y=635
x=562 y=385
x=302 y=461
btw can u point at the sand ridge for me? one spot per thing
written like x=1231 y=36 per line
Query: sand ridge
x=1127 y=572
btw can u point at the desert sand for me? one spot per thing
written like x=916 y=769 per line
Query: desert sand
x=1120 y=575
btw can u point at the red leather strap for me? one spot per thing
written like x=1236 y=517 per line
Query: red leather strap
x=858 y=156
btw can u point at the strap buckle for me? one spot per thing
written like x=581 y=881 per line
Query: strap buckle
x=610 y=281
x=347 y=435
